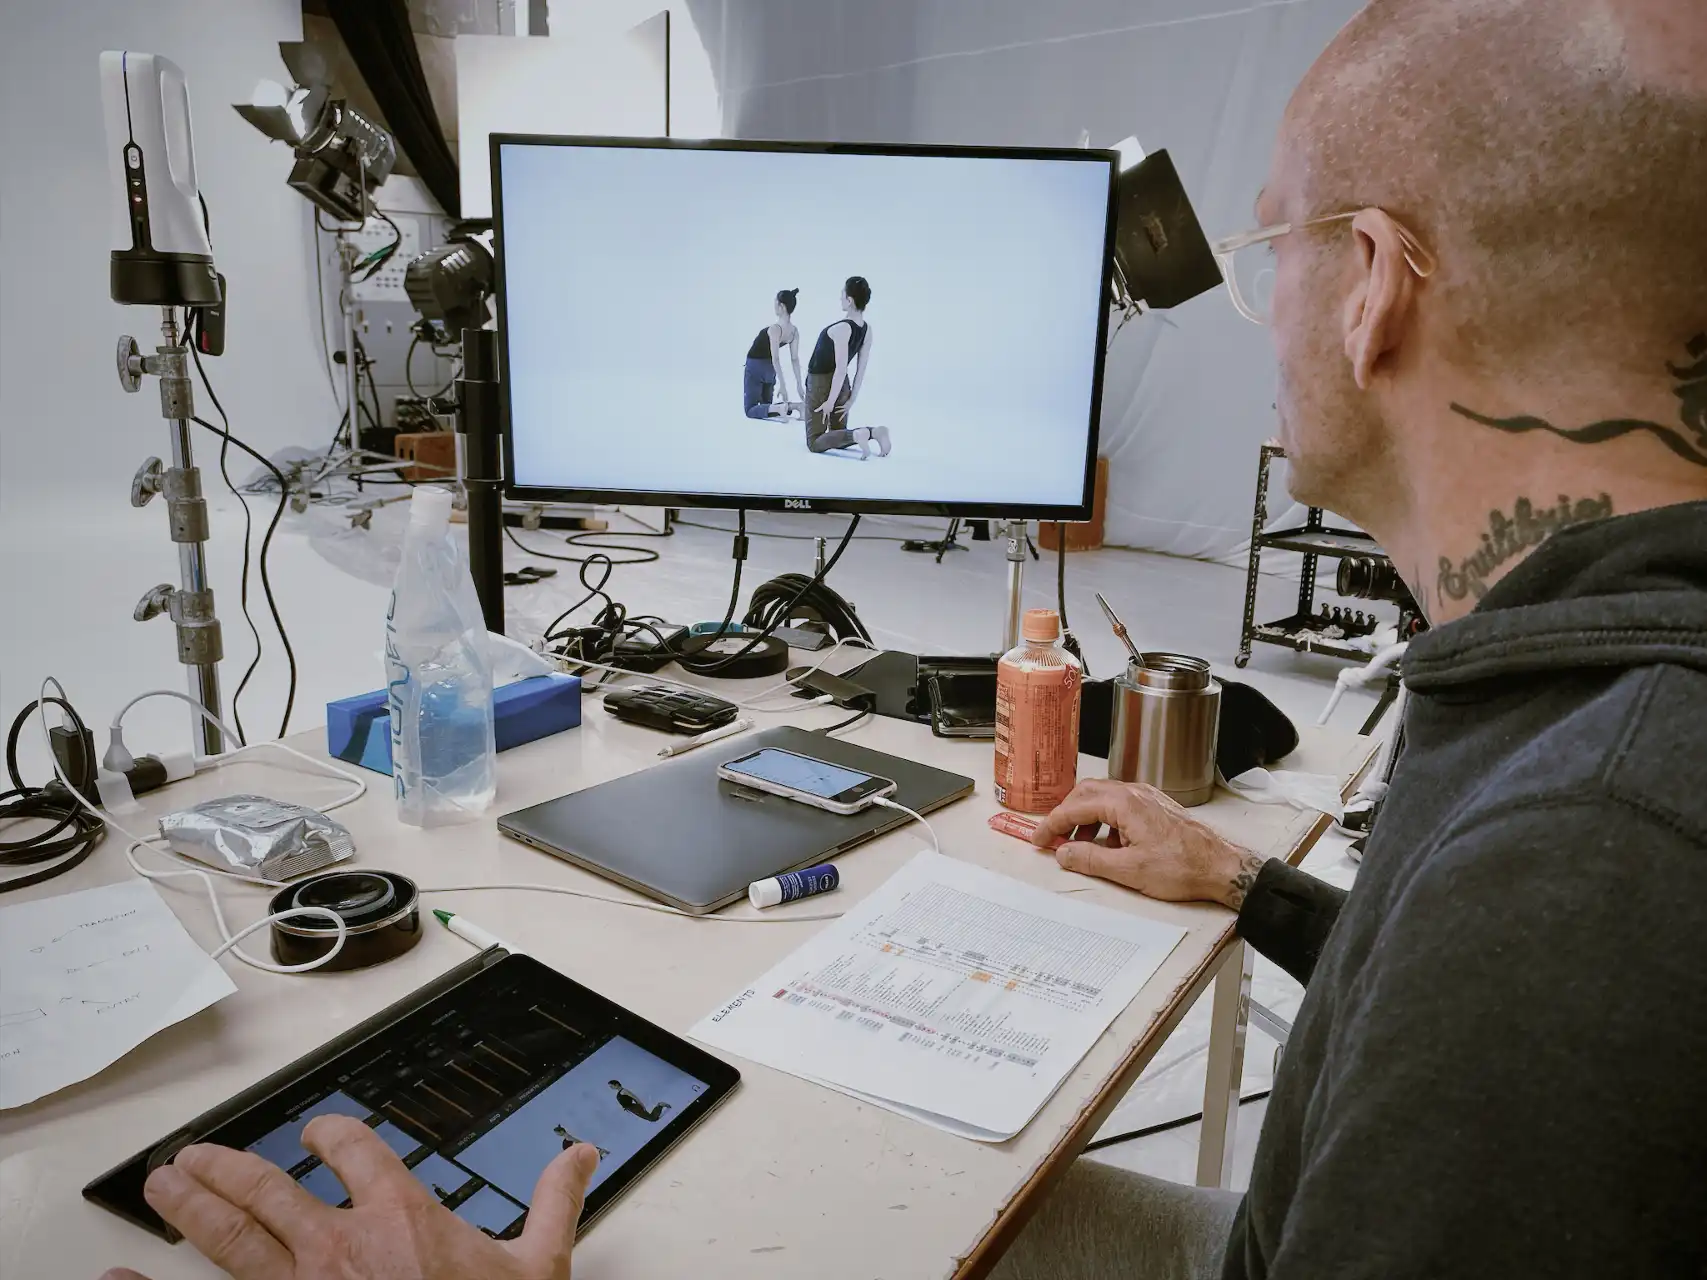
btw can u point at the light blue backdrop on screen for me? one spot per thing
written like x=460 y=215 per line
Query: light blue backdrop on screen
x=637 y=278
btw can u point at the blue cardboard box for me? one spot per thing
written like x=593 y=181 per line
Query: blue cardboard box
x=358 y=729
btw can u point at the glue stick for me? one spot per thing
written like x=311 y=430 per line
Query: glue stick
x=1037 y=718
x=796 y=884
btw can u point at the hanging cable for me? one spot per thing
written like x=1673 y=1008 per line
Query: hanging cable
x=266 y=548
x=248 y=535
x=781 y=612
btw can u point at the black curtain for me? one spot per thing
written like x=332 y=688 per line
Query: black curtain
x=380 y=42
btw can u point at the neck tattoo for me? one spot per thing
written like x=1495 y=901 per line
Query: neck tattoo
x=1690 y=444
x=1510 y=536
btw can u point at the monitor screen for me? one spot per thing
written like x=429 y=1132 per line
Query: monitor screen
x=937 y=347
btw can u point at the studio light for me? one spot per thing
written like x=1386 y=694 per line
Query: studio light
x=1161 y=256
x=449 y=286
x=342 y=157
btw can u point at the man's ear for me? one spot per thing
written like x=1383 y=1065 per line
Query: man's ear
x=1379 y=308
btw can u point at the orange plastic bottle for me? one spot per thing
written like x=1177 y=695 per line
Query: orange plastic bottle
x=1037 y=718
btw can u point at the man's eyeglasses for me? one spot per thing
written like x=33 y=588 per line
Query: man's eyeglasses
x=1247 y=262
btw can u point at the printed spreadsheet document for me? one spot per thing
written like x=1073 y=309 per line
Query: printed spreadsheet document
x=952 y=994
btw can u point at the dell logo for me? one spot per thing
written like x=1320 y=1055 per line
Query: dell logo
x=797 y=504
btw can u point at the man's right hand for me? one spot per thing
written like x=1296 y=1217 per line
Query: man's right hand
x=1152 y=845
x=250 y=1218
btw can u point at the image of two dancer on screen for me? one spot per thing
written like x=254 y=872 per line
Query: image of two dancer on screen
x=844 y=347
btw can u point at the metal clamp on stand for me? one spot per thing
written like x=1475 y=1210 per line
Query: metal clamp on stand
x=190 y=604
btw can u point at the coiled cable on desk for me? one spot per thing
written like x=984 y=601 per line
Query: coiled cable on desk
x=75 y=833
x=797 y=595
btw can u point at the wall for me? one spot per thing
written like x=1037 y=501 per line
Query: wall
x=69 y=437
x=1189 y=394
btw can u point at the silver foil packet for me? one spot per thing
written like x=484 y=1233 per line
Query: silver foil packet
x=257 y=837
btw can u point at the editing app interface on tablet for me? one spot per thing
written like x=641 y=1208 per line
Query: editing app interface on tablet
x=479 y=1105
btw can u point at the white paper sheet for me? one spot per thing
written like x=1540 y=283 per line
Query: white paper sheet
x=952 y=994
x=86 y=977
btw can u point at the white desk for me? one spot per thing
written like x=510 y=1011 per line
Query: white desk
x=787 y=1178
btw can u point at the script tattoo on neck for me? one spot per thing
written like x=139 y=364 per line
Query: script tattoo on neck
x=1690 y=444
x=1513 y=535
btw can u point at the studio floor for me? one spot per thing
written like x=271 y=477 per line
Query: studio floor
x=332 y=583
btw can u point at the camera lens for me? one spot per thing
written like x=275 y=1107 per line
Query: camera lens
x=1364 y=578
x=357 y=896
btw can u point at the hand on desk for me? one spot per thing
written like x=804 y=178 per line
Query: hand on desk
x=1153 y=845
x=249 y=1217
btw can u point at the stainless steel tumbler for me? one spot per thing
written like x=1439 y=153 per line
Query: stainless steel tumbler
x=1167 y=710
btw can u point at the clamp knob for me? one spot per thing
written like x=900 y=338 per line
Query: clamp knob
x=156 y=602
x=148 y=481
x=130 y=364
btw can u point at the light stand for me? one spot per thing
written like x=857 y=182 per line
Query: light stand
x=347 y=309
x=482 y=469
x=1018 y=539
x=190 y=604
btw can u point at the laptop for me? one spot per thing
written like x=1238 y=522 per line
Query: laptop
x=679 y=833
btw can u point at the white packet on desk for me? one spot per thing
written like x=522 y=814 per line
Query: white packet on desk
x=1315 y=791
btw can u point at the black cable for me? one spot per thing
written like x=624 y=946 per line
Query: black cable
x=408 y=371
x=1068 y=639
x=48 y=804
x=382 y=256
x=266 y=548
x=248 y=531
x=1165 y=1126
x=793 y=595
x=780 y=612
x=642 y=555
x=868 y=707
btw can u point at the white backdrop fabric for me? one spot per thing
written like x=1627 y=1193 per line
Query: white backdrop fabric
x=1188 y=394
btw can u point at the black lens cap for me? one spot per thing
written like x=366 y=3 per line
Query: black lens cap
x=360 y=897
x=380 y=911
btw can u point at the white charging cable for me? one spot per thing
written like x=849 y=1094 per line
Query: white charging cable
x=231 y=940
x=883 y=802
x=710 y=917
x=662 y=909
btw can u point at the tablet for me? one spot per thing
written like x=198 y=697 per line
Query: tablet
x=477 y=1082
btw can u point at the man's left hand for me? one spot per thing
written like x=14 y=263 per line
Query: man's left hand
x=251 y=1218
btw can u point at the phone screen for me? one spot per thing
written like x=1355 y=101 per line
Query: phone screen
x=815 y=777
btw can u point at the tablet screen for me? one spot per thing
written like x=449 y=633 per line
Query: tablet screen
x=483 y=1163
x=476 y=1091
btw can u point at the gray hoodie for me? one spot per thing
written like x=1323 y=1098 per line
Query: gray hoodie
x=1497 y=1067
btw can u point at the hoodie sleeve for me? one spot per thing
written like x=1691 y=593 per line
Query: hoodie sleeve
x=1506 y=1089
x=1286 y=916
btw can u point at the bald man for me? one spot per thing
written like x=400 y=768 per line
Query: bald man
x=1491 y=316
x=1490 y=310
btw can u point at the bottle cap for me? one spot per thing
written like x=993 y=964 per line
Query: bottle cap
x=1041 y=624
x=430 y=504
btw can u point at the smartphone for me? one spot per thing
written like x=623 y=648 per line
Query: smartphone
x=815 y=782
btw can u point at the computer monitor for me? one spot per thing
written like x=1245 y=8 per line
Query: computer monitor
x=959 y=294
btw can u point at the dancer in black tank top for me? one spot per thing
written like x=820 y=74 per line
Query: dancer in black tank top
x=763 y=372
x=830 y=393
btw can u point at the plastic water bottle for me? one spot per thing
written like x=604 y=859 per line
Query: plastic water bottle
x=1037 y=717
x=439 y=675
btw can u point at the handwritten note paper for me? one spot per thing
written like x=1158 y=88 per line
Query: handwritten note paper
x=86 y=977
